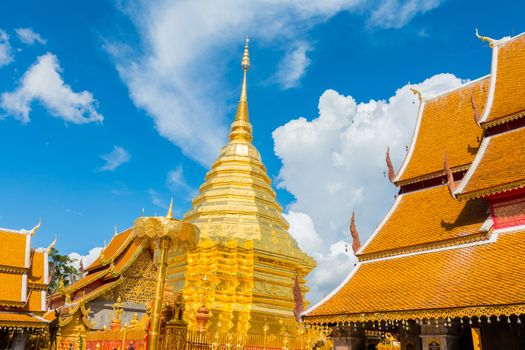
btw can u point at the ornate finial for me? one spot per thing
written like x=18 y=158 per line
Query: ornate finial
x=115 y=232
x=475 y=108
x=485 y=38
x=81 y=267
x=356 y=244
x=142 y=211
x=418 y=93
x=450 y=177
x=105 y=245
x=48 y=249
x=34 y=229
x=169 y=215
x=245 y=62
x=241 y=128
x=391 y=173
x=61 y=286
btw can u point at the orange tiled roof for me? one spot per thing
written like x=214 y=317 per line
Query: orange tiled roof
x=472 y=276
x=129 y=256
x=447 y=123
x=427 y=216
x=13 y=249
x=35 y=300
x=509 y=89
x=21 y=319
x=498 y=166
x=36 y=272
x=86 y=280
x=117 y=244
x=11 y=291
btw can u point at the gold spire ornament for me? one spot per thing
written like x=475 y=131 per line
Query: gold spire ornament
x=241 y=129
x=169 y=215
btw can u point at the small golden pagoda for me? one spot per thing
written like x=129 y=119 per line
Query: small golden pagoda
x=245 y=264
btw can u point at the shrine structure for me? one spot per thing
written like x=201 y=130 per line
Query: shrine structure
x=24 y=278
x=233 y=284
x=444 y=269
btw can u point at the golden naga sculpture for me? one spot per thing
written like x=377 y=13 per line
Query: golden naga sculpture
x=450 y=177
x=391 y=173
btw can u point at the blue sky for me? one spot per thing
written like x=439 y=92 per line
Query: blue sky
x=164 y=76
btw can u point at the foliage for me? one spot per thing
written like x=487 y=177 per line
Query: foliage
x=61 y=266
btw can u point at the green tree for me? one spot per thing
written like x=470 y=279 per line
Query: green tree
x=61 y=266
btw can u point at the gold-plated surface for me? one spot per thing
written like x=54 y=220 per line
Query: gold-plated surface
x=159 y=293
x=245 y=249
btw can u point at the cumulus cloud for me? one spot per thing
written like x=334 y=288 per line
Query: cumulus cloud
x=87 y=259
x=42 y=82
x=344 y=169
x=29 y=36
x=293 y=66
x=177 y=73
x=114 y=159
x=5 y=49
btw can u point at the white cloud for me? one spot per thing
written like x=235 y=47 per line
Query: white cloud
x=87 y=259
x=177 y=73
x=29 y=36
x=293 y=65
x=177 y=183
x=344 y=169
x=114 y=159
x=5 y=49
x=397 y=13
x=42 y=82
x=157 y=199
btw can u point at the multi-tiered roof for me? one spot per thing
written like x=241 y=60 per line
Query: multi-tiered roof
x=24 y=275
x=451 y=246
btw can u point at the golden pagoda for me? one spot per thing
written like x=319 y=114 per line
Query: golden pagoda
x=244 y=267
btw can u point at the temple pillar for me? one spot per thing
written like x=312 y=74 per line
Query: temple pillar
x=154 y=332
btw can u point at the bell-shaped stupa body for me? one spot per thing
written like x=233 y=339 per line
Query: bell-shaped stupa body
x=245 y=265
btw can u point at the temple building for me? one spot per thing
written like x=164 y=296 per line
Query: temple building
x=24 y=278
x=241 y=271
x=444 y=269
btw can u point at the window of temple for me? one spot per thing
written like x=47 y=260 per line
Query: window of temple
x=434 y=345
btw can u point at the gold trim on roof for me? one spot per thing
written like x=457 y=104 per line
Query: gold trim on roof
x=431 y=176
x=503 y=120
x=474 y=311
x=492 y=190
x=482 y=236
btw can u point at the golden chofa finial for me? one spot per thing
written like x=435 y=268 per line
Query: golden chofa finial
x=48 y=249
x=245 y=62
x=418 y=93
x=485 y=38
x=169 y=215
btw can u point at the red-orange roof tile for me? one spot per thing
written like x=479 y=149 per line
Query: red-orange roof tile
x=13 y=249
x=447 y=123
x=426 y=216
x=499 y=166
x=471 y=276
x=509 y=75
x=117 y=244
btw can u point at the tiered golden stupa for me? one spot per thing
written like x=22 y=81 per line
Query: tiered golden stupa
x=244 y=267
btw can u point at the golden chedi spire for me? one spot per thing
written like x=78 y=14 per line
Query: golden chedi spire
x=242 y=231
x=241 y=129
